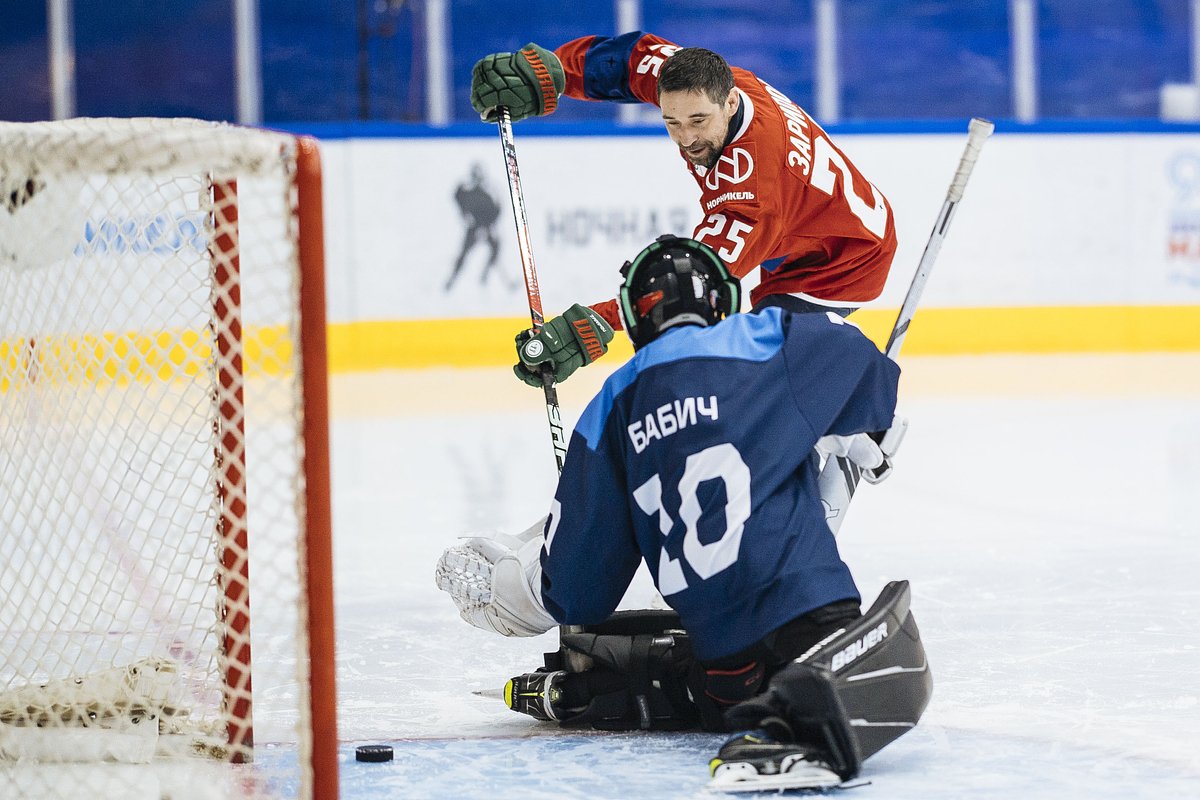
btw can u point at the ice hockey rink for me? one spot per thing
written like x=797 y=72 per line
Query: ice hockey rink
x=1044 y=509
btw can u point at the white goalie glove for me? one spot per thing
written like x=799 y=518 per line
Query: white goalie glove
x=496 y=582
x=873 y=458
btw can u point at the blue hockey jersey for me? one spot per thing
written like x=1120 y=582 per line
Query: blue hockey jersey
x=697 y=456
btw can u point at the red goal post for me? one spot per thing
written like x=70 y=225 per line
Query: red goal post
x=164 y=463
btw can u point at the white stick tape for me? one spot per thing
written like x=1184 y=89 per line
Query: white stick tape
x=977 y=132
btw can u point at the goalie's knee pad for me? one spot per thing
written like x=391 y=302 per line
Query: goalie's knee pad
x=641 y=661
x=876 y=668
x=880 y=669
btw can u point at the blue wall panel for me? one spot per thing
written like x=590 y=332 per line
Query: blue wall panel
x=309 y=52
x=1108 y=59
x=24 y=62
x=480 y=27
x=148 y=58
x=925 y=60
x=341 y=60
x=772 y=39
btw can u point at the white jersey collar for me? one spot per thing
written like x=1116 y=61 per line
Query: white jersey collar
x=747 y=115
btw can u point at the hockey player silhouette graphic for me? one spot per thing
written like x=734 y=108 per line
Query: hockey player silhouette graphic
x=480 y=211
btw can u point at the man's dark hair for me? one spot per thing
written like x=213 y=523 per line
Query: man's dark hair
x=694 y=69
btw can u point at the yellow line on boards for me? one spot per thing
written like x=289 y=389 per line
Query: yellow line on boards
x=405 y=344
x=140 y=357
x=132 y=357
x=1050 y=329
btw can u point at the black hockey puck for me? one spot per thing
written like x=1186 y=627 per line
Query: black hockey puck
x=373 y=752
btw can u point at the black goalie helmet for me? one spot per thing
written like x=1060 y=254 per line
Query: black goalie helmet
x=675 y=281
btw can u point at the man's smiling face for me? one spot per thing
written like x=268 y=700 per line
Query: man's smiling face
x=697 y=124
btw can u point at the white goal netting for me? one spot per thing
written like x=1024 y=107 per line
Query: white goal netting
x=155 y=511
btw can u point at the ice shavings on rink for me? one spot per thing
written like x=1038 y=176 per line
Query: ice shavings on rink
x=935 y=761
x=1044 y=510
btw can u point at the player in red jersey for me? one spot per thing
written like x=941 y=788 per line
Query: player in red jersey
x=775 y=192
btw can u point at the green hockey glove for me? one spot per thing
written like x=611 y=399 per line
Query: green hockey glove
x=571 y=341
x=527 y=82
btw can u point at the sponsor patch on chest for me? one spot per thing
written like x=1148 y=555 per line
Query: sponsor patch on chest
x=733 y=179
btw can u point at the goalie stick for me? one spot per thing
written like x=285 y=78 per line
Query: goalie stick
x=839 y=478
x=575 y=661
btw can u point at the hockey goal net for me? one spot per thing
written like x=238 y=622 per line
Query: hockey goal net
x=164 y=510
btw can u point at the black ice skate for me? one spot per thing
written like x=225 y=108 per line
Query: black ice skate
x=535 y=694
x=755 y=761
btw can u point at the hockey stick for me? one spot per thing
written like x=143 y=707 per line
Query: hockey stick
x=840 y=477
x=532 y=290
x=576 y=662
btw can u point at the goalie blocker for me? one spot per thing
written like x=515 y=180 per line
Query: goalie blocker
x=849 y=695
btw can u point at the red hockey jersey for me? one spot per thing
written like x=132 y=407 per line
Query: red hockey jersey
x=782 y=197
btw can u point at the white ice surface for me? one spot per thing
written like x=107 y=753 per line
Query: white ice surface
x=1046 y=511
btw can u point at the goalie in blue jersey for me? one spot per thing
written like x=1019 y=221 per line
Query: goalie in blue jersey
x=700 y=456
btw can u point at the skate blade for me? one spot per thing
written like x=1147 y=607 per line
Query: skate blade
x=801 y=778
